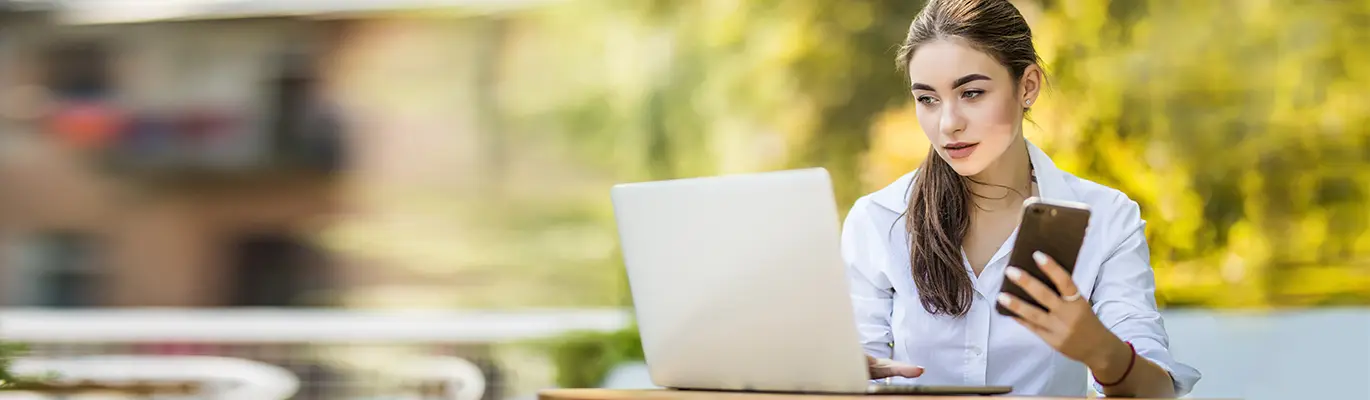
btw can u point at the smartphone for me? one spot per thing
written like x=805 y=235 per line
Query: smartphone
x=1054 y=227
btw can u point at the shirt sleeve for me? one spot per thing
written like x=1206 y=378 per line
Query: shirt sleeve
x=872 y=294
x=1124 y=298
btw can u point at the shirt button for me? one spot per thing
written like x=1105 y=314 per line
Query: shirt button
x=975 y=350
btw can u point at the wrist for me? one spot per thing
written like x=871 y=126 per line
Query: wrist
x=1110 y=358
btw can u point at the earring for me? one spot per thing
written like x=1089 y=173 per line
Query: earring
x=1028 y=102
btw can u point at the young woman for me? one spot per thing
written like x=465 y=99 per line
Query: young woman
x=928 y=254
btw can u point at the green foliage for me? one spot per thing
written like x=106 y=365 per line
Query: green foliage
x=1240 y=127
x=708 y=87
x=583 y=359
x=7 y=353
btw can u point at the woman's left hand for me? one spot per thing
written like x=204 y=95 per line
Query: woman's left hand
x=1067 y=323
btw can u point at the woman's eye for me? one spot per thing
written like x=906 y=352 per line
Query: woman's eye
x=927 y=100
x=970 y=94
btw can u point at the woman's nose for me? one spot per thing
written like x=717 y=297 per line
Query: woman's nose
x=951 y=122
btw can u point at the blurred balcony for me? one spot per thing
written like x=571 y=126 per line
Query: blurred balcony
x=199 y=144
x=240 y=115
x=205 y=142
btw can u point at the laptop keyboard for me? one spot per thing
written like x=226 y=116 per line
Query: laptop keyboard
x=880 y=388
x=896 y=389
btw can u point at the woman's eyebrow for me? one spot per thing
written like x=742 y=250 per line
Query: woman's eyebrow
x=968 y=79
x=959 y=81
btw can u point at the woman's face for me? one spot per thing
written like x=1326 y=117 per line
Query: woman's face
x=968 y=105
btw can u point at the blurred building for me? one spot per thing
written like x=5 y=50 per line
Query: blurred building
x=164 y=164
x=189 y=154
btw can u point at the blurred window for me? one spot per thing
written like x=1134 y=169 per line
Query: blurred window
x=307 y=129
x=78 y=70
x=57 y=270
x=276 y=270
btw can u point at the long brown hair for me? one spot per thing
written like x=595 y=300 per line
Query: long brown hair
x=940 y=199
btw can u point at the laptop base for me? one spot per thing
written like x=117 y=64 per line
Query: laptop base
x=881 y=389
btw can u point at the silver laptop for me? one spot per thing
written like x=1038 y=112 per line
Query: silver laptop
x=738 y=284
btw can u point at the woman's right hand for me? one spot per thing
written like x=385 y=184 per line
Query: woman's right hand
x=881 y=368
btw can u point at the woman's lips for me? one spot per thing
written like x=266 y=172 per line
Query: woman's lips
x=960 y=150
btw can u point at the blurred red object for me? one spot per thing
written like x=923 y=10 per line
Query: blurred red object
x=202 y=124
x=86 y=125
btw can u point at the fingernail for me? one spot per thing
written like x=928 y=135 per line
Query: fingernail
x=1005 y=299
x=1013 y=273
x=1039 y=257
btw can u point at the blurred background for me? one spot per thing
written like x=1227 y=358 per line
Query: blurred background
x=348 y=189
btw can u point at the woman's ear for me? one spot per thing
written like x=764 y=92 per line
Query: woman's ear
x=1031 y=85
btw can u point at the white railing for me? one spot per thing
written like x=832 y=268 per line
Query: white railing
x=289 y=325
x=449 y=352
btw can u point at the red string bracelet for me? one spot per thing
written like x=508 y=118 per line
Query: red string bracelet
x=1130 y=363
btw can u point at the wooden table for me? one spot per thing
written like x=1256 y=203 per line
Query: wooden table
x=609 y=394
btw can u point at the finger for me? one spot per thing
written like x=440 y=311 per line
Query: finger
x=1035 y=288
x=884 y=367
x=1026 y=312
x=907 y=371
x=1036 y=329
x=1056 y=273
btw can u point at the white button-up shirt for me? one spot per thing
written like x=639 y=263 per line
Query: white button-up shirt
x=1113 y=271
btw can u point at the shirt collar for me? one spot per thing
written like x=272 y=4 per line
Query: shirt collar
x=1051 y=183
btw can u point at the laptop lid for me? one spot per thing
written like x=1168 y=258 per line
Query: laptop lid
x=738 y=282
